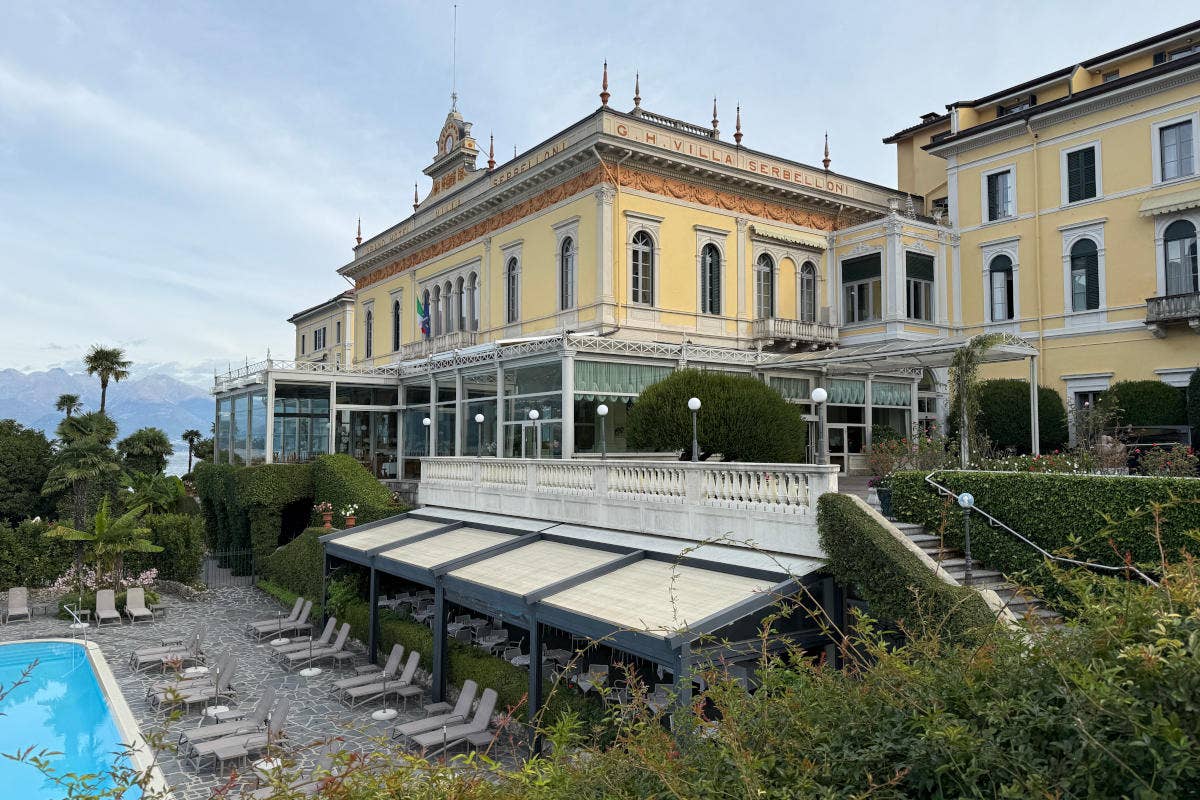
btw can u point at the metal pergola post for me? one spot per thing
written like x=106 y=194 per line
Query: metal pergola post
x=535 y=683
x=1035 y=433
x=683 y=680
x=373 y=634
x=438 y=688
x=325 y=588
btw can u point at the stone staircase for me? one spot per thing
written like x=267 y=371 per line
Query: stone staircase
x=1020 y=602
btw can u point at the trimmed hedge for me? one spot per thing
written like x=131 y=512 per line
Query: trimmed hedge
x=1058 y=512
x=1148 y=403
x=225 y=524
x=1004 y=415
x=897 y=586
x=28 y=557
x=340 y=480
x=181 y=537
x=298 y=565
x=264 y=492
x=1193 y=407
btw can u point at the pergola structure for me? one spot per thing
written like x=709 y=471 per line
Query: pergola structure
x=631 y=592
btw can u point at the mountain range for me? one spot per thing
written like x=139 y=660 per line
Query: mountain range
x=154 y=400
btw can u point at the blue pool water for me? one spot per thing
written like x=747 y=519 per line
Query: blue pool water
x=61 y=708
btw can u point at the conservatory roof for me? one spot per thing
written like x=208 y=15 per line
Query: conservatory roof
x=904 y=354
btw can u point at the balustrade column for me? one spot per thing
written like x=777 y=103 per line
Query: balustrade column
x=693 y=484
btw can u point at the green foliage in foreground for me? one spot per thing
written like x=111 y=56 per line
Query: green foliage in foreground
x=25 y=460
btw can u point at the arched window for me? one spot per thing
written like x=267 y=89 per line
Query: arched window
x=473 y=300
x=395 y=325
x=1000 y=280
x=436 y=313
x=808 y=292
x=764 y=287
x=566 y=274
x=370 y=333
x=512 y=290
x=1085 y=276
x=710 y=280
x=463 y=313
x=426 y=321
x=448 y=297
x=641 y=268
x=1179 y=256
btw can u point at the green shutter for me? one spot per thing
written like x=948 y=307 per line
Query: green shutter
x=918 y=266
x=861 y=268
x=1081 y=175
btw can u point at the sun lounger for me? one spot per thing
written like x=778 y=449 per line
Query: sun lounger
x=162 y=656
x=308 y=657
x=451 y=735
x=245 y=743
x=389 y=670
x=185 y=682
x=18 y=605
x=169 y=644
x=106 y=607
x=401 y=686
x=297 y=625
x=205 y=695
x=296 y=645
x=247 y=721
x=135 y=605
x=309 y=784
x=459 y=714
x=268 y=625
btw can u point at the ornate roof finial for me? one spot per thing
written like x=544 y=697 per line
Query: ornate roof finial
x=737 y=131
x=637 y=90
x=416 y=201
x=491 y=152
x=358 y=235
x=825 y=160
x=716 y=130
x=604 y=95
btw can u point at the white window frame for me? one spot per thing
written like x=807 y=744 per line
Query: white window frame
x=1094 y=230
x=1064 y=178
x=1089 y=382
x=319 y=338
x=816 y=289
x=983 y=194
x=1160 y=257
x=568 y=228
x=921 y=250
x=717 y=238
x=636 y=223
x=396 y=296
x=507 y=253
x=368 y=332
x=1156 y=148
x=989 y=250
x=774 y=284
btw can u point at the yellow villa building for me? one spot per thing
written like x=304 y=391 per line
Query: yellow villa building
x=1075 y=201
x=1061 y=212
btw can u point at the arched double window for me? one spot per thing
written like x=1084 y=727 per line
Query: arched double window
x=473 y=300
x=395 y=325
x=1179 y=258
x=641 y=268
x=448 y=297
x=1085 y=276
x=566 y=274
x=463 y=312
x=1000 y=282
x=369 y=326
x=512 y=290
x=710 y=279
x=764 y=287
x=426 y=321
x=435 y=313
x=808 y=292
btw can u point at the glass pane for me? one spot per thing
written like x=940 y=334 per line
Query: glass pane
x=445 y=430
x=549 y=406
x=479 y=439
x=241 y=421
x=224 y=424
x=416 y=435
x=588 y=425
x=533 y=379
x=258 y=427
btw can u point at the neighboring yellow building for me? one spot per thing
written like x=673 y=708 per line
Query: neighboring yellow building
x=324 y=333
x=1075 y=200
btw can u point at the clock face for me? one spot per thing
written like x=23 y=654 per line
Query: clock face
x=448 y=144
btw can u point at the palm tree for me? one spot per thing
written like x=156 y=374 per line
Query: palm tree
x=964 y=403
x=191 y=436
x=159 y=494
x=68 y=404
x=92 y=425
x=112 y=538
x=79 y=463
x=146 y=450
x=109 y=363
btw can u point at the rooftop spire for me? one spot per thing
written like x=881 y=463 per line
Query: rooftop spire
x=825 y=160
x=358 y=235
x=491 y=152
x=454 y=62
x=604 y=95
x=416 y=202
x=716 y=128
x=637 y=90
x=737 y=132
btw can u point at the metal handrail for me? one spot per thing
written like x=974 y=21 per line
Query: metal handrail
x=1045 y=553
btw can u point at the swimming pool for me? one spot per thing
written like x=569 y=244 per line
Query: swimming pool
x=61 y=708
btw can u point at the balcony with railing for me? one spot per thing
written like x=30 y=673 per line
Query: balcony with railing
x=455 y=340
x=769 y=331
x=1172 y=309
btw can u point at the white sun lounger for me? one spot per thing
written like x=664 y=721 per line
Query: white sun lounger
x=169 y=644
x=205 y=695
x=18 y=605
x=298 y=625
x=335 y=651
x=135 y=605
x=448 y=736
x=295 y=645
x=456 y=716
x=106 y=607
x=185 y=682
x=259 y=626
x=246 y=722
x=389 y=670
x=401 y=686
x=246 y=743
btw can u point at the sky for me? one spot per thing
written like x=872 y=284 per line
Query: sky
x=179 y=178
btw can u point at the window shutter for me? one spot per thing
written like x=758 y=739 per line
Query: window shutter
x=861 y=268
x=1091 y=267
x=918 y=266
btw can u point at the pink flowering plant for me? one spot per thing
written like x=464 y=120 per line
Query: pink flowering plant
x=72 y=580
x=1177 y=461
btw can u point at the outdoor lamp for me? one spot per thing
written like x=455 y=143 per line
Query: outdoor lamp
x=967 y=501
x=819 y=396
x=537 y=430
x=479 y=444
x=426 y=422
x=602 y=412
x=694 y=405
x=533 y=414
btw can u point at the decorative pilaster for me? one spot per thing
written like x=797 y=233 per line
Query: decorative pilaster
x=742 y=224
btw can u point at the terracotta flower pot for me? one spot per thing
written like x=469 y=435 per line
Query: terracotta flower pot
x=327 y=518
x=350 y=521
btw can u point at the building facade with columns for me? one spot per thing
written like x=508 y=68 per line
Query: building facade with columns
x=624 y=246
x=1075 y=199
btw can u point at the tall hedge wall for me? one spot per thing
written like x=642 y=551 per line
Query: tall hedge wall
x=1055 y=511
x=340 y=480
x=30 y=558
x=897 y=586
x=1149 y=403
x=264 y=492
x=298 y=565
x=1193 y=407
x=225 y=524
x=1004 y=415
x=181 y=536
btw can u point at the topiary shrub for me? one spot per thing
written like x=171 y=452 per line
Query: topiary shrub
x=897 y=586
x=341 y=481
x=1004 y=415
x=1148 y=403
x=298 y=565
x=1193 y=406
x=225 y=524
x=741 y=418
x=264 y=491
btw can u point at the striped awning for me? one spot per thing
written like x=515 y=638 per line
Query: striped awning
x=800 y=238
x=1169 y=203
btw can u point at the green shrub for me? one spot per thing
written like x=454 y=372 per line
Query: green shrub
x=25 y=461
x=741 y=418
x=298 y=566
x=897 y=586
x=1058 y=512
x=340 y=480
x=1004 y=415
x=1148 y=403
x=225 y=524
x=1193 y=407
x=181 y=536
x=28 y=557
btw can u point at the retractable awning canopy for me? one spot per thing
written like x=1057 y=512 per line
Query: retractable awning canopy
x=356 y=545
x=901 y=354
x=1170 y=203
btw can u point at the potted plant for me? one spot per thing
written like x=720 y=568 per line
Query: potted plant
x=325 y=509
x=348 y=512
x=885 y=497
